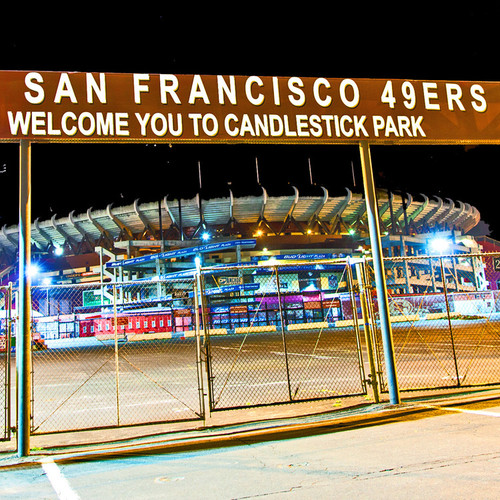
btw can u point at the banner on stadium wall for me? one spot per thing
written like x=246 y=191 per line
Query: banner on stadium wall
x=184 y=252
x=115 y=107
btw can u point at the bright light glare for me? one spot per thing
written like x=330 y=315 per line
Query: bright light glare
x=58 y=251
x=33 y=270
x=439 y=245
x=205 y=236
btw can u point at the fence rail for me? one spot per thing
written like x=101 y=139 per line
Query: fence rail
x=116 y=354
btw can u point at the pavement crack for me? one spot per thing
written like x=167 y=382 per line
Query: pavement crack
x=277 y=492
x=425 y=466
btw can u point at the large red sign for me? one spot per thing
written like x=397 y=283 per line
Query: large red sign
x=109 y=107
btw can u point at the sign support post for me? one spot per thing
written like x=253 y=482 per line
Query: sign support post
x=378 y=266
x=23 y=337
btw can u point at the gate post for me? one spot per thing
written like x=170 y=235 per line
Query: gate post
x=6 y=367
x=283 y=336
x=202 y=362
x=445 y=292
x=355 y=319
x=367 y=326
x=117 y=360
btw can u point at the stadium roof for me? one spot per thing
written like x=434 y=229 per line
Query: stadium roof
x=230 y=216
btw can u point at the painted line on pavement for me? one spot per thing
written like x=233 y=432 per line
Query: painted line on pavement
x=58 y=481
x=463 y=410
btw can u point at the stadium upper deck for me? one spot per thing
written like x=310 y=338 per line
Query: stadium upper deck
x=183 y=222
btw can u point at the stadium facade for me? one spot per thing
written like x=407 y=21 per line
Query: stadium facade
x=83 y=247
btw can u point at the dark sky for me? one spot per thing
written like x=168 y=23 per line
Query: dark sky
x=294 y=41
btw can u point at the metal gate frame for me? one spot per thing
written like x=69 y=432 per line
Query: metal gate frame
x=6 y=333
x=116 y=356
x=367 y=383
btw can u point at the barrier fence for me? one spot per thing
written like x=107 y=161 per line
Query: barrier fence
x=120 y=354
x=445 y=323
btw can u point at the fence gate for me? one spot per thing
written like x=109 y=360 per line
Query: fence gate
x=277 y=334
x=5 y=359
x=116 y=354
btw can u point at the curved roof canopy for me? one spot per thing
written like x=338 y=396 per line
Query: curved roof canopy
x=230 y=216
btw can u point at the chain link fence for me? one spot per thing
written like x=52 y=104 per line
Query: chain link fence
x=281 y=333
x=130 y=353
x=445 y=320
x=5 y=360
x=114 y=355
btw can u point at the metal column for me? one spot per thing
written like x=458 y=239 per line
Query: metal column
x=378 y=266
x=23 y=337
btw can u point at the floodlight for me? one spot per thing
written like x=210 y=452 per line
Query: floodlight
x=205 y=236
x=33 y=270
x=439 y=244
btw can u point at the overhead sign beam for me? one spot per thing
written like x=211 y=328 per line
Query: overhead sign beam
x=111 y=107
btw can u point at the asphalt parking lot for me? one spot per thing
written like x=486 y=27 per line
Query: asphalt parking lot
x=432 y=447
x=87 y=387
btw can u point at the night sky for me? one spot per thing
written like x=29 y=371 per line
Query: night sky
x=336 y=43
